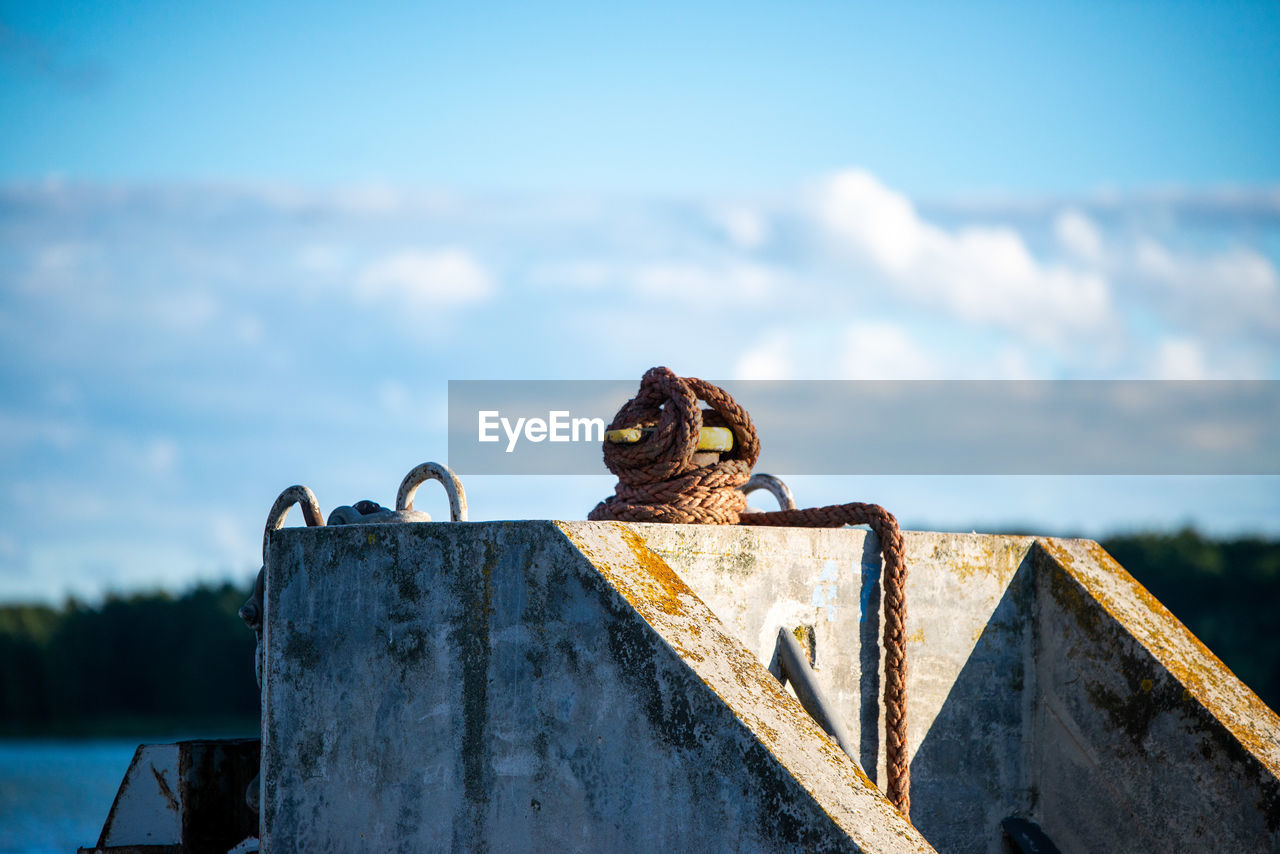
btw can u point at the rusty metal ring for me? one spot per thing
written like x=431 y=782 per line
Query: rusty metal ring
x=434 y=471
x=295 y=494
x=773 y=485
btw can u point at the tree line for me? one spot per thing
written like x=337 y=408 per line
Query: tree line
x=147 y=663
x=156 y=663
x=1226 y=591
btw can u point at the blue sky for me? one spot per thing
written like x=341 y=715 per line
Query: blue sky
x=246 y=245
x=669 y=98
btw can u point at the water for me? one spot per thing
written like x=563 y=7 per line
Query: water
x=54 y=795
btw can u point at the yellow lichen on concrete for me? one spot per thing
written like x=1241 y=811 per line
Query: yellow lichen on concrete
x=992 y=557
x=657 y=592
x=1205 y=679
x=774 y=717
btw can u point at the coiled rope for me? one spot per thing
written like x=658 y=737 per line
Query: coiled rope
x=659 y=480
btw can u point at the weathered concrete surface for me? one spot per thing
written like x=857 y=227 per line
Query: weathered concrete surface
x=1043 y=682
x=182 y=797
x=1141 y=732
x=969 y=648
x=147 y=809
x=531 y=687
x=536 y=685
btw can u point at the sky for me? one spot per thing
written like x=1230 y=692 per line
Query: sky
x=247 y=245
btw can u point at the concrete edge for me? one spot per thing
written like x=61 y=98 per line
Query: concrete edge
x=1209 y=682
x=727 y=667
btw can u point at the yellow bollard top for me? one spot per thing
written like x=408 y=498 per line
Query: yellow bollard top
x=710 y=439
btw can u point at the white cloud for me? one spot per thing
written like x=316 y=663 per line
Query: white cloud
x=160 y=456
x=877 y=350
x=65 y=269
x=694 y=283
x=579 y=274
x=61 y=393
x=21 y=432
x=1079 y=235
x=183 y=310
x=1178 y=359
x=768 y=358
x=980 y=274
x=1233 y=291
x=249 y=329
x=1013 y=363
x=427 y=277
x=230 y=540
x=393 y=397
x=745 y=228
x=256 y=348
x=321 y=259
x=369 y=199
x=61 y=257
x=697 y=281
x=874 y=219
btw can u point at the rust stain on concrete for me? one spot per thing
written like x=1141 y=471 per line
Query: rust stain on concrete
x=170 y=800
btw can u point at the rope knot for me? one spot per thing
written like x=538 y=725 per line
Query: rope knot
x=660 y=478
x=663 y=478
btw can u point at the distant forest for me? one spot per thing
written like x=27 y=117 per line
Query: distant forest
x=148 y=664
x=155 y=664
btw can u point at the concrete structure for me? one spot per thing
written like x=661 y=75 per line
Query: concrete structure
x=577 y=686
x=182 y=797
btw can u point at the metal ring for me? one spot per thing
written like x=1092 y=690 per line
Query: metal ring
x=296 y=494
x=774 y=485
x=434 y=471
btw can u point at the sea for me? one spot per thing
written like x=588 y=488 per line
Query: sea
x=55 y=795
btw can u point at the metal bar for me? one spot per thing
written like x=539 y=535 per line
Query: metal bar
x=795 y=667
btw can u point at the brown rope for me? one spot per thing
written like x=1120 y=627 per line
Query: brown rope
x=660 y=481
